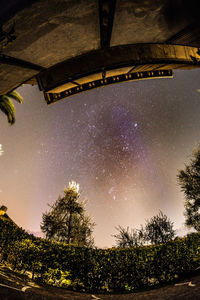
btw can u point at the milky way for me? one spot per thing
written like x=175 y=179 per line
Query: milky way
x=123 y=144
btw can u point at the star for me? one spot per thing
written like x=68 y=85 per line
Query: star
x=1 y=150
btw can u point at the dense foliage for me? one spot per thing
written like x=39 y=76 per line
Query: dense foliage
x=97 y=270
x=67 y=221
x=9 y=234
x=189 y=180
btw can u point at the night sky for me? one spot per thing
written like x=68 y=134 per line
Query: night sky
x=123 y=144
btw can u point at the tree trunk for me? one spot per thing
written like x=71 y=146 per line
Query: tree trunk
x=69 y=228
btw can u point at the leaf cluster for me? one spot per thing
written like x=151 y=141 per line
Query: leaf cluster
x=7 y=107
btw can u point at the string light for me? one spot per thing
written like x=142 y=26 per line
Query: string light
x=53 y=97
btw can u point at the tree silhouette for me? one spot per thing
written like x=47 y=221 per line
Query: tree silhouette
x=159 y=229
x=189 y=181
x=67 y=221
x=128 y=239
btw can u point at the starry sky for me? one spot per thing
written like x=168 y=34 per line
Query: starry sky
x=123 y=144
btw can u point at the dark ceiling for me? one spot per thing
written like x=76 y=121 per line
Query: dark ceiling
x=59 y=42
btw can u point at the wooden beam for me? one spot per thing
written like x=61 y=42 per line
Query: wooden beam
x=106 y=17
x=8 y=60
x=102 y=60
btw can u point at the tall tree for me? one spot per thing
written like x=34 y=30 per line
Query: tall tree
x=67 y=221
x=158 y=229
x=7 y=107
x=189 y=181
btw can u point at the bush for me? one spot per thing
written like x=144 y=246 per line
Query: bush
x=57 y=277
x=97 y=270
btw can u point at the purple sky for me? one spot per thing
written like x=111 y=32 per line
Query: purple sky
x=122 y=143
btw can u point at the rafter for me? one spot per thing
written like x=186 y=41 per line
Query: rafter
x=101 y=60
x=8 y=60
x=106 y=17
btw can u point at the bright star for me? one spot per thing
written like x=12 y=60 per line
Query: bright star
x=1 y=150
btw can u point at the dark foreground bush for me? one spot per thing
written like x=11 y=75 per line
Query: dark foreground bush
x=97 y=270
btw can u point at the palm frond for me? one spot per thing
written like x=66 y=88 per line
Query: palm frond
x=16 y=96
x=7 y=107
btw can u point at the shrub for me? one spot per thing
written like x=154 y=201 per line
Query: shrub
x=57 y=277
x=97 y=270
